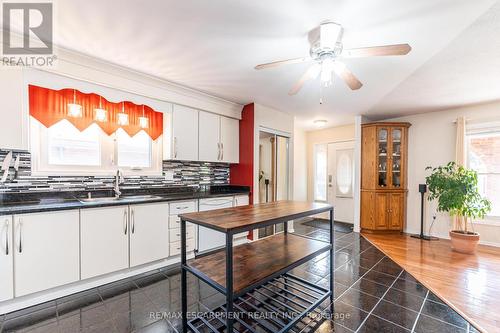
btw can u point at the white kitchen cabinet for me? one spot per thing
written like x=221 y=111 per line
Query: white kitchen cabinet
x=104 y=236
x=46 y=251
x=241 y=200
x=176 y=208
x=230 y=140
x=218 y=139
x=184 y=133
x=148 y=233
x=14 y=124
x=209 y=239
x=6 y=259
x=209 y=138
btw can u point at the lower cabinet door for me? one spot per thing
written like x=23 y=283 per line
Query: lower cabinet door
x=148 y=233
x=104 y=240
x=381 y=210
x=396 y=210
x=6 y=259
x=46 y=251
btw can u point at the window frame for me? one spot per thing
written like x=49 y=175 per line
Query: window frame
x=109 y=156
x=316 y=149
x=476 y=129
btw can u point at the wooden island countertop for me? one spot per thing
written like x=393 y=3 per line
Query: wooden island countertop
x=243 y=218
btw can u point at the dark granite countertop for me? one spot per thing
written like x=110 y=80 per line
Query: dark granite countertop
x=35 y=203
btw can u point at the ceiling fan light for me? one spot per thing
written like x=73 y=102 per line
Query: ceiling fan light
x=327 y=67
x=75 y=110
x=330 y=33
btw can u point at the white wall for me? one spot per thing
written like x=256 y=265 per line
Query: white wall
x=432 y=143
x=299 y=163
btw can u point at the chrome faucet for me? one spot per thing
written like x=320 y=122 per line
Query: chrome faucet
x=119 y=179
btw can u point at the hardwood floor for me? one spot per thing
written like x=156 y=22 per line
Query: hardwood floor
x=470 y=284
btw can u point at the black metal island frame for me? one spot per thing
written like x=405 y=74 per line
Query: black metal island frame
x=261 y=294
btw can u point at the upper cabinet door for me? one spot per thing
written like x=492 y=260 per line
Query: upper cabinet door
x=383 y=158
x=185 y=133
x=46 y=250
x=209 y=137
x=14 y=125
x=230 y=140
x=397 y=150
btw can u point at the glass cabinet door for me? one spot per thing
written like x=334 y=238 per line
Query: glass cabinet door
x=383 y=156
x=396 y=159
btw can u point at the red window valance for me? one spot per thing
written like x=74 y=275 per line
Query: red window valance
x=51 y=106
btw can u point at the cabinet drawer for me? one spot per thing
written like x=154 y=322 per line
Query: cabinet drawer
x=174 y=222
x=177 y=208
x=175 y=234
x=175 y=247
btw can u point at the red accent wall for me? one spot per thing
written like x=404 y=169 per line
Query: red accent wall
x=242 y=173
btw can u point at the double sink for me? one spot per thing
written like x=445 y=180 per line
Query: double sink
x=118 y=199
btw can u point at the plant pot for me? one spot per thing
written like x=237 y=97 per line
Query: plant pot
x=464 y=242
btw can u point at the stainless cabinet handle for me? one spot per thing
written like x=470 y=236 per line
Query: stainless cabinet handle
x=125 y=226
x=7 y=237
x=222 y=151
x=133 y=221
x=218 y=151
x=183 y=207
x=20 y=234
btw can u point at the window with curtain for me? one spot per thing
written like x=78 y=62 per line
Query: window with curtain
x=320 y=172
x=64 y=149
x=483 y=155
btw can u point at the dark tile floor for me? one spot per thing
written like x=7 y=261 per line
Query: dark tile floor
x=373 y=294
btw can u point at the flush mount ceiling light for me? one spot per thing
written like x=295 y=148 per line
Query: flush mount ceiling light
x=122 y=116
x=326 y=48
x=320 y=122
x=143 y=121
x=101 y=115
x=75 y=110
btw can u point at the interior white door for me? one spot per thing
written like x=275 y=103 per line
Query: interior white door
x=209 y=239
x=185 y=133
x=104 y=240
x=230 y=139
x=148 y=233
x=46 y=251
x=341 y=180
x=209 y=137
x=6 y=259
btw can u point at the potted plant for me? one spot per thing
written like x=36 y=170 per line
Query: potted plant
x=456 y=190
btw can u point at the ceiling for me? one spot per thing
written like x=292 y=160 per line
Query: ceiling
x=466 y=72
x=214 y=45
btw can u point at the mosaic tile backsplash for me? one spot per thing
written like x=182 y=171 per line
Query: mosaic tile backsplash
x=185 y=173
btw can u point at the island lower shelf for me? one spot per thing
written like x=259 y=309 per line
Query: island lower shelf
x=257 y=262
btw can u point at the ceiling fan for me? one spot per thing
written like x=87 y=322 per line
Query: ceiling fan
x=326 y=49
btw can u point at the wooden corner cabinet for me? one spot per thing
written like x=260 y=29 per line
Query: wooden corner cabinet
x=384 y=165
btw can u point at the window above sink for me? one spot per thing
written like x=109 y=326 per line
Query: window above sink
x=62 y=149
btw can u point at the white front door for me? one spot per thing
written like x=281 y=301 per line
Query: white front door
x=340 y=180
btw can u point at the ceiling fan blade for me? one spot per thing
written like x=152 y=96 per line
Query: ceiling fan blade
x=346 y=75
x=386 y=50
x=311 y=73
x=282 y=62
